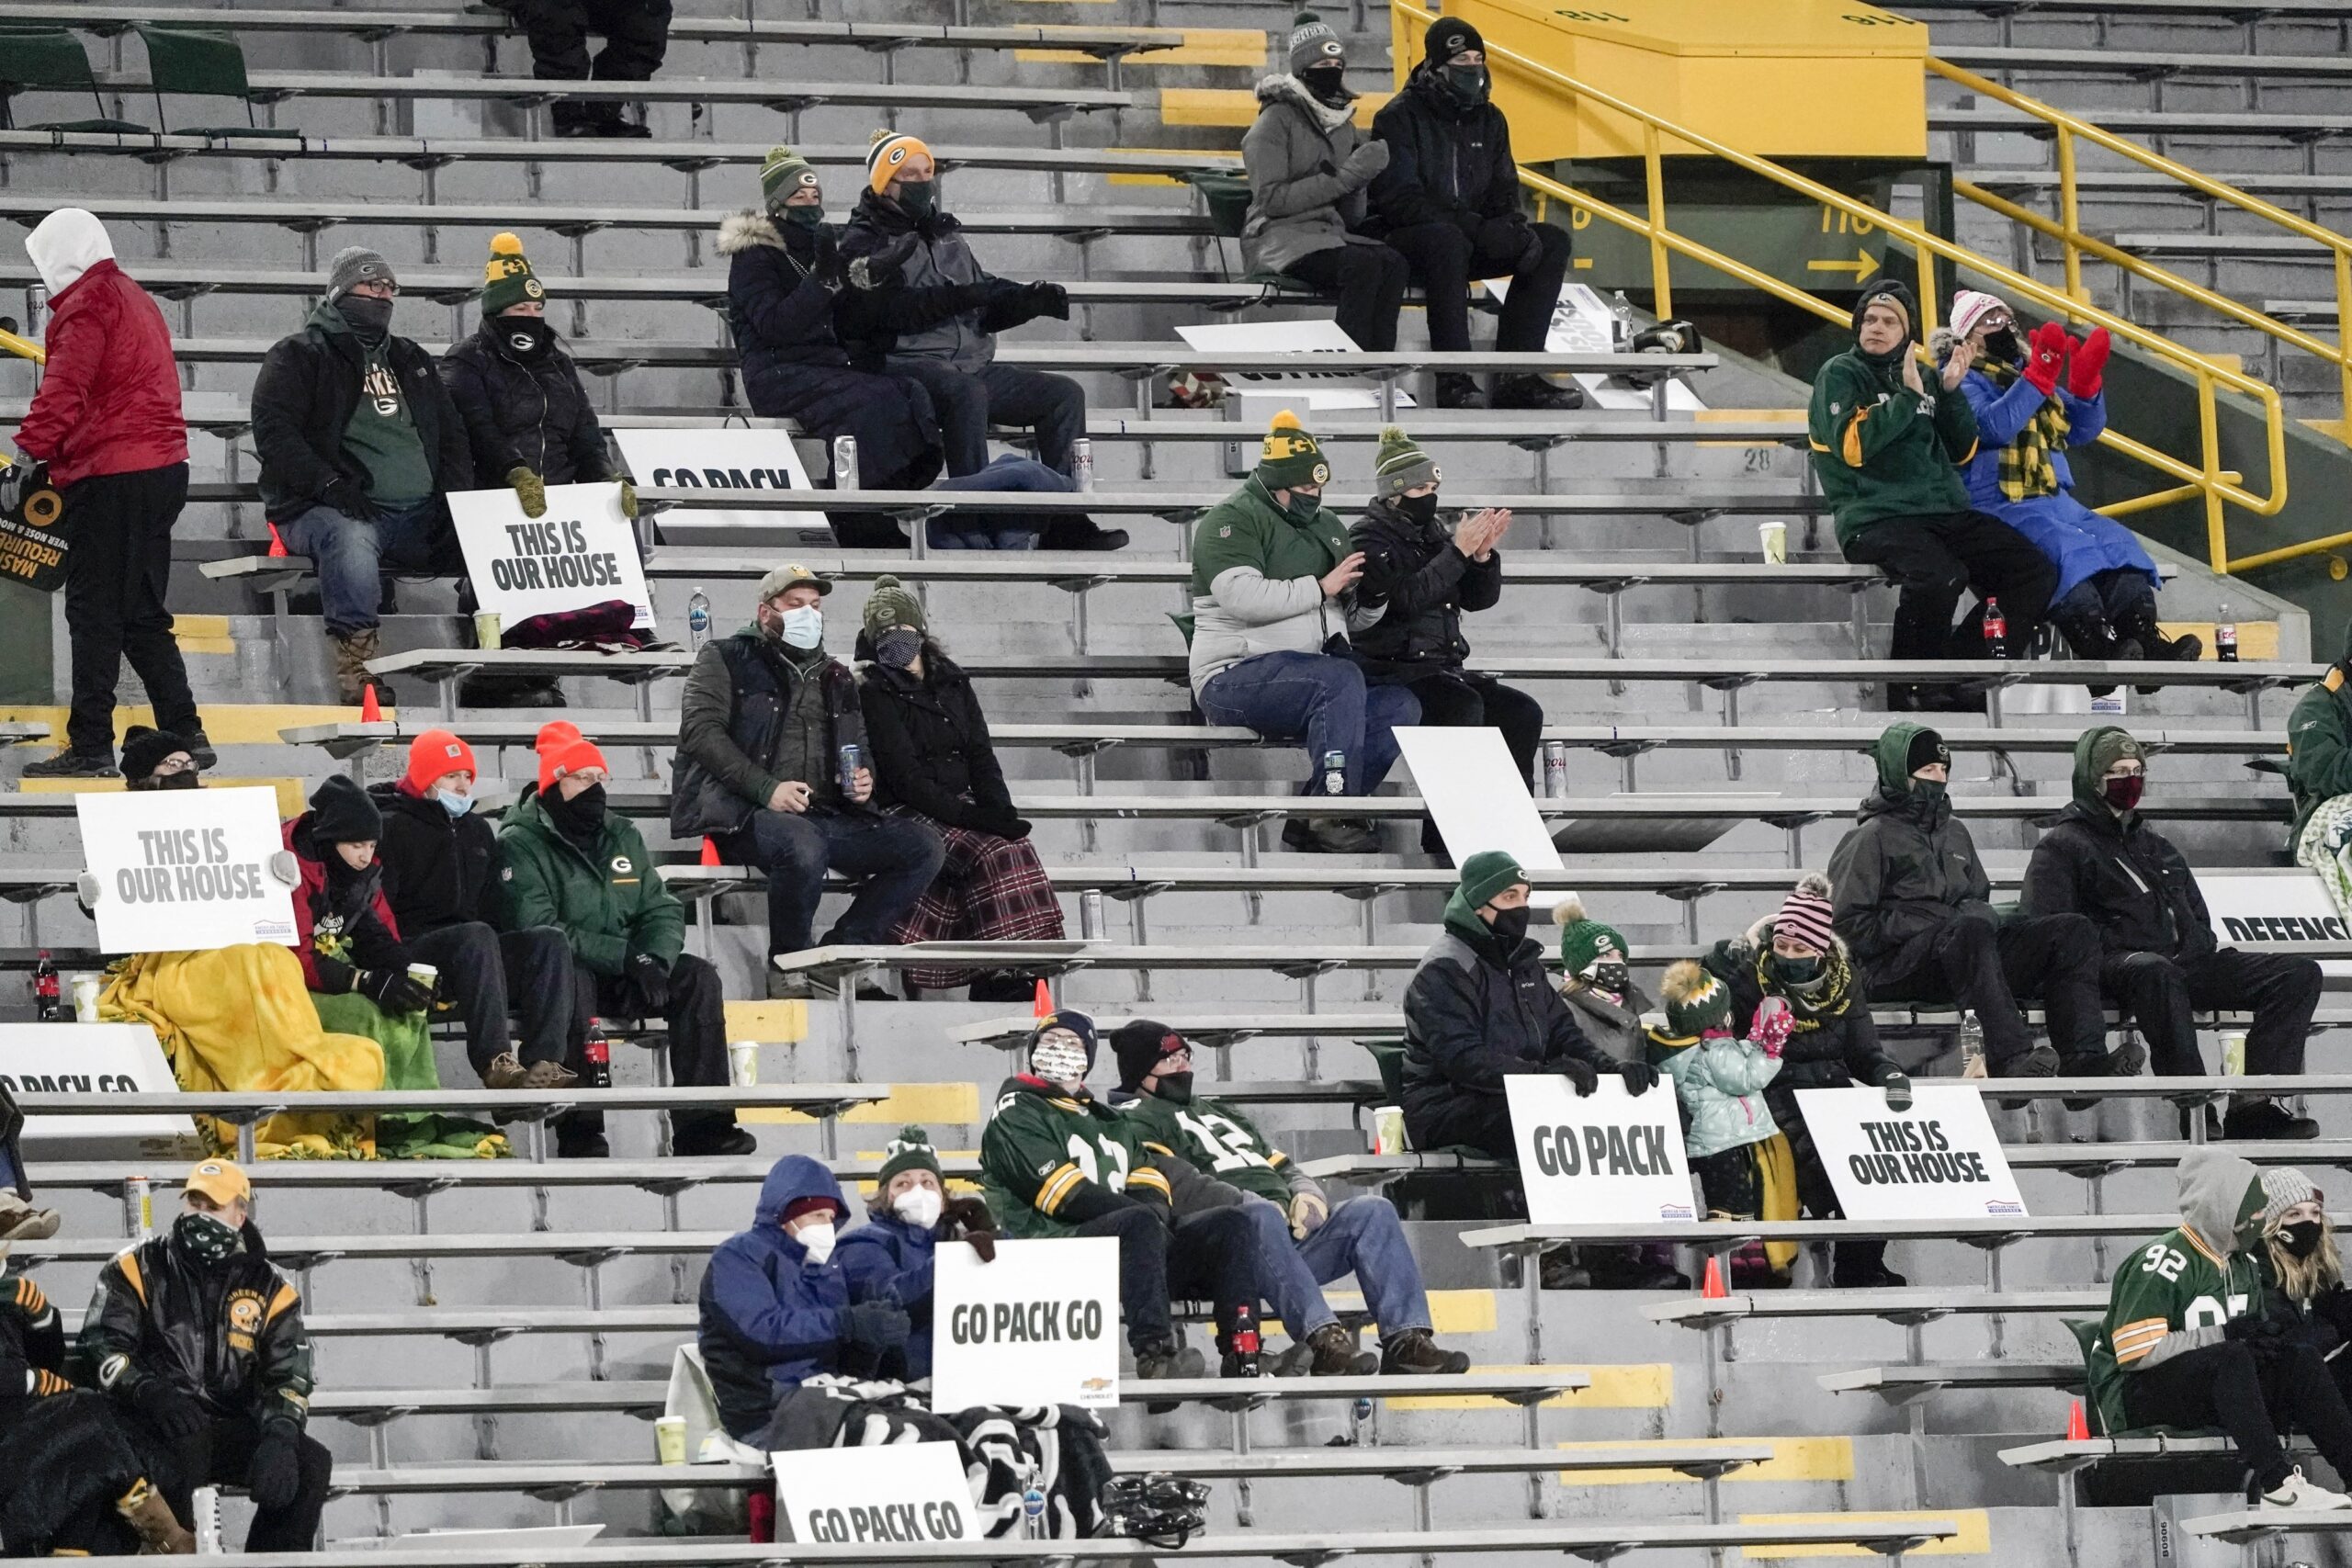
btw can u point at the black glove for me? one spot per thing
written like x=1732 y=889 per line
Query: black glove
x=337 y=978
x=652 y=977
x=274 y=1476
x=971 y=1217
x=2257 y=1331
x=831 y=271
x=393 y=991
x=1508 y=237
x=1898 y=1091
x=1581 y=1075
x=1048 y=299
x=875 y=1326
x=171 y=1412
x=883 y=269
x=351 y=501
x=1003 y=825
x=1639 y=1076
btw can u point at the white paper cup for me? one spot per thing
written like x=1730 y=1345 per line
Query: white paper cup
x=85 y=998
x=743 y=1064
x=2234 y=1052
x=669 y=1440
x=1388 y=1129
x=1774 y=538
x=425 y=975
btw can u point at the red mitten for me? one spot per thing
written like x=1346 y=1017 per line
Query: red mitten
x=2087 y=372
x=1774 y=1021
x=2045 y=355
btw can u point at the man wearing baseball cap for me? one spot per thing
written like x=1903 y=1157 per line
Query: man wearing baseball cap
x=772 y=765
x=202 y=1340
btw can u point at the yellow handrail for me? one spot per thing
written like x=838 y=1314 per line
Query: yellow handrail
x=24 y=347
x=2215 y=485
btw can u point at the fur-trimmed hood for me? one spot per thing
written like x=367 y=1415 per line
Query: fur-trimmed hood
x=741 y=230
x=1284 y=88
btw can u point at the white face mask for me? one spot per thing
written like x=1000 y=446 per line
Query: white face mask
x=818 y=1239
x=920 y=1206
x=803 y=627
x=1059 y=1058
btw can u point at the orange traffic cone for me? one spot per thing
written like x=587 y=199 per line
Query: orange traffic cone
x=710 y=851
x=277 y=543
x=2078 y=1430
x=1045 y=1004
x=1711 y=1284
x=370 y=710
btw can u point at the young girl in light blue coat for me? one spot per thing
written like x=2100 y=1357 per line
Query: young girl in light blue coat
x=1742 y=1162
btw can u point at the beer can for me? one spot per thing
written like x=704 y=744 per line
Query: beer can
x=1090 y=914
x=1335 y=773
x=1081 y=463
x=1388 y=1129
x=669 y=1440
x=205 y=1503
x=1555 y=769
x=2234 y=1052
x=845 y=462
x=852 y=759
x=743 y=1071
x=489 y=626
x=138 y=1208
x=85 y=998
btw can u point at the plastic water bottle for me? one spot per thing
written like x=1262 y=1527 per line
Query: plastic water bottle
x=2225 y=636
x=1972 y=1045
x=698 y=620
x=1997 y=630
x=1620 y=322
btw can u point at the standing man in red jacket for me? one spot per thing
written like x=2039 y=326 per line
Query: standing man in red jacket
x=107 y=421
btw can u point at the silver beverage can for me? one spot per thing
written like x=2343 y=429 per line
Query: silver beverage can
x=845 y=462
x=205 y=1503
x=1090 y=914
x=851 y=759
x=1081 y=463
x=1555 y=769
x=138 y=1208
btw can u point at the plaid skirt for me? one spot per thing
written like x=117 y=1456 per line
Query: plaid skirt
x=988 y=889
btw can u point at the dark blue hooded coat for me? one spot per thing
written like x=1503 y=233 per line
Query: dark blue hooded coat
x=887 y=1259
x=770 y=1318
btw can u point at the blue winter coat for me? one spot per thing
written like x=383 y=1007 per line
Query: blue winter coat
x=888 y=1259
x=2078 y=541
x=769 y=1316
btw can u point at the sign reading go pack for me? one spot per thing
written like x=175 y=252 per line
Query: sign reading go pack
x=1606 y=1157
x=859 y=1498
x=1039 y=1326
x=185 y=871
x=1940 y=1160
x=582 y=552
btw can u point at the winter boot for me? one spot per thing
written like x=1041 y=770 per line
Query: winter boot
x=72 y=764
x=547 y=1075
x=2090 y=638
x=1533 y=392
x=1456 y=391
x=2125 y=1061
x=2041 y=1062
x=159 y=1533
x=504 y=1072
x=1559 y=1270
x=352 y=653
x=2253 y=1118
x=1336 y=1355
x=1168 y=1358
x=1861 y=1266
x=1413 y=1353
x=2141 y=627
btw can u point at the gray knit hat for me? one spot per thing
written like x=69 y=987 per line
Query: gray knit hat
x=355 y=264
x=1312 y=43
x=1401 y=465
x=2283 y=1188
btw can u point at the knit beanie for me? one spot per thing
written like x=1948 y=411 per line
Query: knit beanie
x=1970 y=306
x=889 y=604
x=1487 y=872
x=1289 y=455
x=507 y=278
x=1076 y=1022
x=1402 y=466
x=1804 y=913
x=143 y=748
x=552 y=737
x=2111 y=745
x=555 y=761
x=433 y=754
x=1896 y=293
x=1582 y=938
x=355 y=264
x=889 y=154
x=911 y=1150
x=1696 y=1002
x=341 y=813
x=2283 y=1187
x=1138 y=1046
x=1447 y=36
x=1926 y=747
x=1312 y=43
x=811 y=1205
x=784 y=173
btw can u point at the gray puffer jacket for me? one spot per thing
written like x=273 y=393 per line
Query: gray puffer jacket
x=1307 y=177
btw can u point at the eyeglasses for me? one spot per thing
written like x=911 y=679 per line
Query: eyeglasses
x=178 y=762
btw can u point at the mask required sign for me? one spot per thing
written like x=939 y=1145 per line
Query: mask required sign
x=1039 y=1326
x=893 y=1496
x=1940 y=1160
x=1607 y=1157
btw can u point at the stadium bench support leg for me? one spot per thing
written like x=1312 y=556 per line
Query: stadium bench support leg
x=704 y=924
x=422 y=1267
x=1137 y=925
x=593 y=1281
x=2254 y=707
x=1530 y=1284
x=2066 y=1520
x=847 y=1001
x=1796 y=843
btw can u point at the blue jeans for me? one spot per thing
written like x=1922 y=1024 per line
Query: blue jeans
x=1321 y=699
x=350 y=553
x=894 y=856
x=1363 y=1237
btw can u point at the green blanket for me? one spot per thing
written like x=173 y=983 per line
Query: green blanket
x=408 y=1065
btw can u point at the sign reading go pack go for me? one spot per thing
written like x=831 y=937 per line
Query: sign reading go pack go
x=1038 y=1325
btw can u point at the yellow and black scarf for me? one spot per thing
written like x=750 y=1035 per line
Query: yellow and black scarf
x=1827 y=999
x=2026 y=469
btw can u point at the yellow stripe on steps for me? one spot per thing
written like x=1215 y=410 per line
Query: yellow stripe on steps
x=203 y=634
x=1451 y=1312
x=225 y=724
x=1237 y=107
x=1794 y=418
x=771 y=1023
x=2256 y=640
x=1638 y=1386
x=1794 y=1459
x=1974 y=1539
x=928 y=1103
x=1188 y=45
x=291 y=793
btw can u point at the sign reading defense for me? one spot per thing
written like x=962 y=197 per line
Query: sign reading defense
x=748 y=460
x=855 y=1497
x=2273 y=905
x=185 y=871
x=1607 y=1157
x=580 y=552
x=1940 y=1160
x=1039 y=1326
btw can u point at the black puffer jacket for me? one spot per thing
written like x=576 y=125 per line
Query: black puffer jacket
x=230 y=1334
x=931 y=744
x=1447 y=163
x=302 y=402
x=1908 y=867
x=930 y=257
x=438 y=868
x=2127 y=877
x=1423 y=585
x=1475 y=1013
x=1834 y=1042
x=525 y=414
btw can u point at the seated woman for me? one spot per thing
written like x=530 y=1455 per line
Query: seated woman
x=932 y=761
x=888 y=1257
x=2302 y=1270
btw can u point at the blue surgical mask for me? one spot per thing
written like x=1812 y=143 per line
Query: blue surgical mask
x=803 y=627
x=455 y=805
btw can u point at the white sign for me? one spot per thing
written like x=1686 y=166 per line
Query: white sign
x=855 y=1497
x=185 y=871
x=1608 y=1157
x=1582 y=322
x=1474 y=794
x=1039 y=1326
x=582 y=552
x=2286 y=906
x=717 y=459
x=1316 y=388
x=1940 y=1160
x=92 y=1058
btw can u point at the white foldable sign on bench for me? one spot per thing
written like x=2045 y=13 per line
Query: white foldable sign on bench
x=185 y=871
x=582 y=552
x=737 y=460
x=1474 y=792
x=2274 y=908
x=1310 y=389
x=889 y=1496
x=94 y=1058
x=1611 y=1156
x=1039 y=1326
x=1940 y=1160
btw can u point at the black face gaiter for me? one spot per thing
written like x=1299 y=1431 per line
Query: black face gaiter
x=1174 y=1087
x=580 y=818
x=1420 y=508
x=368 y=316
x=1511 y=927
x=526 y=337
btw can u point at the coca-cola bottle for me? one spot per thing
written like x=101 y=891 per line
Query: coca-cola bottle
x=597 y=1056
x=48 y=1007
x=1997 y=630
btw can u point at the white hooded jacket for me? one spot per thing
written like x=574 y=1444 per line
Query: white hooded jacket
x=67 y=243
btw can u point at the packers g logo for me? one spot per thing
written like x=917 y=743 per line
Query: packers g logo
x=531 y=289
x=1322 y=473
x=621 y=866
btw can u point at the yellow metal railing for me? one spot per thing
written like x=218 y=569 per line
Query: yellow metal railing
x=23 y=347
x=2205 y=480
x=2069 y=131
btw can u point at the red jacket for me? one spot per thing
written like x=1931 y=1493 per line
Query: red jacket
x=366 y=920
x=110 y=400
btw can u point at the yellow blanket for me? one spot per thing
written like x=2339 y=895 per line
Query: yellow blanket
x=239 y=1018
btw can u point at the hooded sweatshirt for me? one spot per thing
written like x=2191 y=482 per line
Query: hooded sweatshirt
x=2174 y=1293
x=1906 y=868
x=2319 y=742
x=1881 y=449
x=109 y=399
x=771 y=1317
x=2127 y=877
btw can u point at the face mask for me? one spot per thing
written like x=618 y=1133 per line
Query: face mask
x=1420 y=508
x=2302 y=1238
x=919 y=1206
x=1302 y=506
x=818 y=1241
x=2123 y=794
x=208 y=1236
x=898 y=647
x=1795 y=971
x=1329 y=86
x=918 y=200
x=1177 y=1087
x=187 y=779
x=527 y=337
x=584 y=810
x=1614 y=978
x=455 y=805
x=811 y=218
x=1928 y=790
x=1510 y=925
x=2002 y=345
x=368 y=318
x=1468 y=82
x=1059 y=1062
x=803 y=627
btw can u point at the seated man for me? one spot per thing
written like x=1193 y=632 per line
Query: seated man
x=1479 y=1007
x=1054 y=1161
x=763 y=729
x=1911 y=898
x=1304 y=1243
x=2159 y=960
x=1274 y=597
x=201 y=1340
x=567 y=862
x=439 y=862
x=888 y=1257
